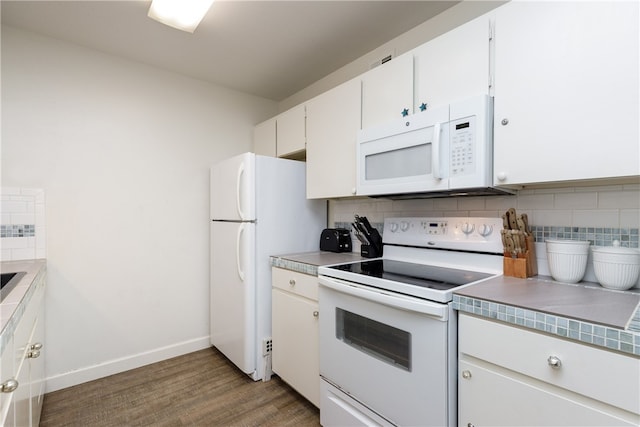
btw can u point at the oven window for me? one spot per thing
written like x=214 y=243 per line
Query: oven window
x=403 y=162
x=384 y=342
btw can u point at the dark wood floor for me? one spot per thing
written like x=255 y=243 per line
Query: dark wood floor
x=197 y=389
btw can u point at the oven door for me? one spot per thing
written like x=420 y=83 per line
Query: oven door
x=405 y=156
x=392 y=354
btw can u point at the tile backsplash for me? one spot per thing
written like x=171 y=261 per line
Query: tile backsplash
x=598 y=214
x=22 y=224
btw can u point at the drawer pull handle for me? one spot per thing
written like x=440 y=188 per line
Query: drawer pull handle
x=554 y=362
x=316 y=313
x=292 y=282
x=466 y=374
x=9 y=386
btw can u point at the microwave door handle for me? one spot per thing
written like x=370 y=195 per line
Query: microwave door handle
x=435 y=152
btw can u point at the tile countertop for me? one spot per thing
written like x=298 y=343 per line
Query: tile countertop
x=584 y=312
x=308 y=262
x=14 y=305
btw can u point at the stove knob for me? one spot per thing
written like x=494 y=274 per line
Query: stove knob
x=485 y=230
x=393 y=227
x=467 y=228
x=404 y=226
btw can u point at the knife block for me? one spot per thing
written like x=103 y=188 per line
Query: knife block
x=374 y=250
x=525 y=265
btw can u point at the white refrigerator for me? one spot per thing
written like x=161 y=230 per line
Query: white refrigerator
x=258 y=209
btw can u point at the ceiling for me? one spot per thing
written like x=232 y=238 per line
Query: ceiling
x=267 y=48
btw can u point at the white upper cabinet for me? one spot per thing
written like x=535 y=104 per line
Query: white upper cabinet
x=264 y=138
x=290 y=132
x=453 y=66
x=566 y=91
x=387 y=91
x=333 y=120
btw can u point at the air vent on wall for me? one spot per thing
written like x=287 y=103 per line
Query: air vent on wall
x=382 y=61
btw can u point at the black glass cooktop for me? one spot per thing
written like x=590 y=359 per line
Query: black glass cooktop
x=426 y=276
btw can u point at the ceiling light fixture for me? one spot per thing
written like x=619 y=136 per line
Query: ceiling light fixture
x=184 y=15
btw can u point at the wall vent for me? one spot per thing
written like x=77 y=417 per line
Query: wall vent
x=382 y=61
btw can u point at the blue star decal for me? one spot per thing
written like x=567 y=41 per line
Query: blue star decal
x=423 y=106
x=405 y=112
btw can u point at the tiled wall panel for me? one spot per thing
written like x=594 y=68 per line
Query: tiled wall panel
x=22 y=224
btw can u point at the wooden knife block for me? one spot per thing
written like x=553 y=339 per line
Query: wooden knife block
x=523 y=266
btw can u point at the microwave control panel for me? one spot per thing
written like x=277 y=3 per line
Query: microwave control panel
x=462 y=160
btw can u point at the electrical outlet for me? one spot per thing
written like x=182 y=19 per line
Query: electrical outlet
x=267 y=346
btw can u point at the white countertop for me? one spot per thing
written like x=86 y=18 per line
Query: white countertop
x=13 y=306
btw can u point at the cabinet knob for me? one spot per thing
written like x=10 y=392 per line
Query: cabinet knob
x=353 y=190
x=36 y=346
x=292 y=282
x=34 y=354
x=316 y=313
x=504 y=122
x=9 y=386
x=466 y=374
x=501 y=176
x=554 y=362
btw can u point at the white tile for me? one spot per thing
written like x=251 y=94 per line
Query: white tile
x=8 y=191
x=500 y=203
x=471 y=203
x=535 y=201
x=22 y=218
x=13 y=206
x=630 y=218
x=551 y=217
x=19 y=254
x=14 y=243
x=619 y=200
x=576 y=200
x=5 y=254
x=596 y=218
x=445 y=204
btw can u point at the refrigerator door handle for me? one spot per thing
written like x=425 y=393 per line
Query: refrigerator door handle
x=239 y=191
x=238 y=263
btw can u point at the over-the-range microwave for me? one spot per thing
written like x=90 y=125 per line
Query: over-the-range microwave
x=443 y=151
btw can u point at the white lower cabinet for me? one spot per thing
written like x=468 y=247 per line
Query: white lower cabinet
x=23 y=366
x=508 y=376
x=295 y=356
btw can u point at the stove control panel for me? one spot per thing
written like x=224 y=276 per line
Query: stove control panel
x=458 y=233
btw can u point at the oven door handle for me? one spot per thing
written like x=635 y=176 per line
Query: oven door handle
x=438 y=311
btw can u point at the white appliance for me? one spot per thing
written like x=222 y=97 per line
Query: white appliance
x=443 y=151
x=388 y=333
x=258 y=209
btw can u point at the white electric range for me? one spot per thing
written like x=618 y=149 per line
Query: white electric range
x=388 y=353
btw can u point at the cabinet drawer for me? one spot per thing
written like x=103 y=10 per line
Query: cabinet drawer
x=301 y=284
x=600 y=374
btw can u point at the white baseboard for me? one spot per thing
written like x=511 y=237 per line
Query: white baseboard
x=90 y=373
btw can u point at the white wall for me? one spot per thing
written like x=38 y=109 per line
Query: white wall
x=122 y=152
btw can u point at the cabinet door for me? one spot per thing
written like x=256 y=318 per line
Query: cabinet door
x=7 y=372
x=333 y=120
x=290 y=131
x=454 y=65
x=566 y=91
x=387 y=90
x=493 y=398
x=295 y=356
x=264 y=138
